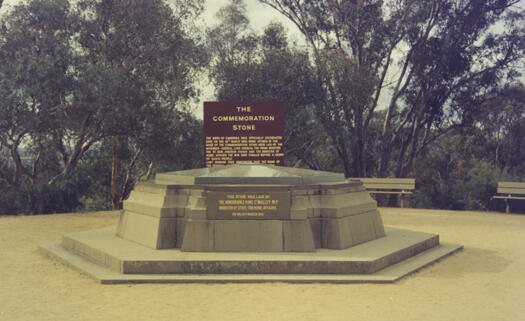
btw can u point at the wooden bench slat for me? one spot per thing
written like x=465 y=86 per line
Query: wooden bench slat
x=387 y=180
x=389 y=183
x=388 y=192
x=389 y=186
x=511 y=191
x=509 y=197
x=518 y=185
x=393 y=186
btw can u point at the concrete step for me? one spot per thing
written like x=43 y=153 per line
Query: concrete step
x=108 y=251
x=387 y=275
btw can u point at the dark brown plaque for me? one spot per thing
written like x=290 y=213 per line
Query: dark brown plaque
x=239 y=205
x=243 y=132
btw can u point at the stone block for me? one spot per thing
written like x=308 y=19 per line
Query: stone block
x=341 y=205
x=248 y=235
x=378 y=224
x=68 y=243
x=154 y=232
x=349 y=210
x=148 y=210
x=166 y=238
x=299 y=192
x=196 y=206
x=195 y=213
x=335 y=233
x=346 y=199
x=185 y=191
x=196 y=192
x=341 y=188
x=349 y=231
x=361 y=227
x=151 y=187
x=165 y=267
x=158 y=199
x=113 y=263
x=301 y=208
x=196 y=201
x=315 y=226
x=178 y=202
x=179 y=231
x=122 y=222
x=170 y=178
x=151 y=199
x=299 y=214
x=85 y=250
x=342 y=233
x=298 y=236
x=315 y=205
x=198 y=236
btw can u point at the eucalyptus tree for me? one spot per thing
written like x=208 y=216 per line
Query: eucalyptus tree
x=149 y=62
x=266 y=66
x=498 y=129
x=36 y=83
x=233 y=47
x=76 y=78
x=435 y=58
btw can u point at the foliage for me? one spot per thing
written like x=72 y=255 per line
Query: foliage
x=498 y=127
x=75 y=79
x=266 y=67
x=461 y=170
x=436 y=57
x=35 y=80
x=450 y=176
x=40 y=197
x=94 y=96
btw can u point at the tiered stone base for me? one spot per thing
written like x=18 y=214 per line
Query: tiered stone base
x=328 y=215
x=110 y=259
x=249 y=223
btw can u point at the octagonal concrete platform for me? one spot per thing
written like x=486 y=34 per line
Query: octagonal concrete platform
x=110 y=259
x=249 y=223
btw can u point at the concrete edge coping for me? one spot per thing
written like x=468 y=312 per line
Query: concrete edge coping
x=388 y=275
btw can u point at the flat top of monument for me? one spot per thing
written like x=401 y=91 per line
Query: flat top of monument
x=249 y=174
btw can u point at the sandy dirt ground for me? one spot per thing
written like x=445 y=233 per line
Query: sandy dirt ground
x=485 y=281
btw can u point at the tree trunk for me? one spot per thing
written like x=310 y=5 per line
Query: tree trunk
x=114 y=174
x=360 y=145
x=150 y=170
x=341 y=148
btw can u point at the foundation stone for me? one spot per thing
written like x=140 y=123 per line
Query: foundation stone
x=250 y=208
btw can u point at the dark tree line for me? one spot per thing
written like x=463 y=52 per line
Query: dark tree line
x=94 y=94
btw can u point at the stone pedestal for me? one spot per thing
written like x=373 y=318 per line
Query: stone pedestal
x=249 y=223
x=250 y=208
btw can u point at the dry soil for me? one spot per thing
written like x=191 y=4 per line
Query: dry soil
x=485 y=281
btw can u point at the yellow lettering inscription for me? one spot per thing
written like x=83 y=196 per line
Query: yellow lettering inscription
x=243 y=127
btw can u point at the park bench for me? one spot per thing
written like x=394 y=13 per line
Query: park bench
x=399 y=186
x=512 y=191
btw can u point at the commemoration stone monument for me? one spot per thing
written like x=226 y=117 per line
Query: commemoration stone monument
x=242 y=218
x=250 y=207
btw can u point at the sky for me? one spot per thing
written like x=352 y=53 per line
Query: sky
x=259 y=14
